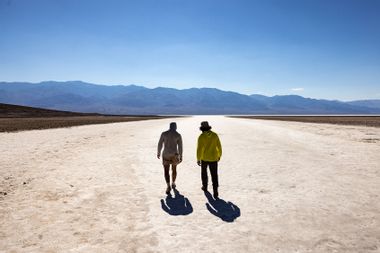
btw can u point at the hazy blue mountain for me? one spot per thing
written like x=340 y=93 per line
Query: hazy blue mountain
x=293 y=104
x=119 y=99
x=372 y=103
x=190 y=101
x=74 y=87
x=73 y=95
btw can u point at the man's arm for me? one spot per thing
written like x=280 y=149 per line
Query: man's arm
x=180 y=147
x=159 y=146
x=219 y=147
x=199 y=150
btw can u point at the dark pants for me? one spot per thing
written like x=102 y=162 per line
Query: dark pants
x=213 y=171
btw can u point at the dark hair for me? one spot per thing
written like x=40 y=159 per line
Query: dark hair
x=173 y=126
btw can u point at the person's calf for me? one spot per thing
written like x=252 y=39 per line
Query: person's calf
x=166 y=174
x=216 y=193
x=174 y=173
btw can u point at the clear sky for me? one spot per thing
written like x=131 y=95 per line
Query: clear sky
x=315 y=48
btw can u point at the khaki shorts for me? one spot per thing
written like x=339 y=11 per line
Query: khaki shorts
x=172 y=159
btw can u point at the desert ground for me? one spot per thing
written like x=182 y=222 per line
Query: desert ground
x=14 y=118
x=372 y=121
x=284 y=187
x=21 y=124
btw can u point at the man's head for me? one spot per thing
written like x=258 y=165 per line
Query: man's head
x=173 y=126
x=205 y=126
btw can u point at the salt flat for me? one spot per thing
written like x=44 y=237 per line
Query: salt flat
x=295 y=187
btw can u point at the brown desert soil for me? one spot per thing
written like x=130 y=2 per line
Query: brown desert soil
x=373 y=121
x=20 y=124
x=19 y=111
x=18 y=118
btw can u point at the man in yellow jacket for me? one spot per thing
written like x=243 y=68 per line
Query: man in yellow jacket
x=209 y=151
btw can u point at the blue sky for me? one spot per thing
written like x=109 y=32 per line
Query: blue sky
x=321 y=49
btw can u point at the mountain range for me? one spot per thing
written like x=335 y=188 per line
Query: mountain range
x=78 y=96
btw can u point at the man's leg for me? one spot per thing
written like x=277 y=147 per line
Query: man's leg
x=167 y=178
x=174 y=175
x=204 y=175
x=214 y=177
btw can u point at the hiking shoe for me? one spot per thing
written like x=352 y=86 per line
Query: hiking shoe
x=204 y=188
x=173 y=185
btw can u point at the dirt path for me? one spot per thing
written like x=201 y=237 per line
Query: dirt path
x=100 y=188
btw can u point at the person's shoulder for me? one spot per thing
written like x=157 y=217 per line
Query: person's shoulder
x=214 y=134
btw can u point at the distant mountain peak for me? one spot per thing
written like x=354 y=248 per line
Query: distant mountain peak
x=80 y=96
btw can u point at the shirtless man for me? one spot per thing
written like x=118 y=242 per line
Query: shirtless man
x=172 y=154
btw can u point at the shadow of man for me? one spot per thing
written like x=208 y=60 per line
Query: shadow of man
x=227 y=211
x=179 y=205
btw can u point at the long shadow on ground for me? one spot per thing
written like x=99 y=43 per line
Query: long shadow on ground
x=227 y=211
x=179 y=205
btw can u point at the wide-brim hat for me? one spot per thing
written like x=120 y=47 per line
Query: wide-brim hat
x=205 y=126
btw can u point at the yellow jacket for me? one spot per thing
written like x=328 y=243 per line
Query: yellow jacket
x=209 y=148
